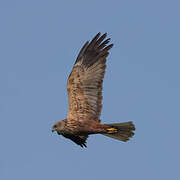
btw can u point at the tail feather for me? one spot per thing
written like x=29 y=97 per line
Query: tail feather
x=124 y=131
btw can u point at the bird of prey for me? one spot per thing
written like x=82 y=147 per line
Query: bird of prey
x=84 y=88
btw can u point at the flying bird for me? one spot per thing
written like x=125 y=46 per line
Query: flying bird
x=84 y=88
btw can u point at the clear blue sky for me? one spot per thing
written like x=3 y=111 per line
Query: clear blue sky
x=39 y=41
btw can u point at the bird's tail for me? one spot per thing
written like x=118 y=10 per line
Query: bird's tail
x=120 y=131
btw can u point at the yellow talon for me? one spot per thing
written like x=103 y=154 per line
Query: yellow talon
x=112 y=130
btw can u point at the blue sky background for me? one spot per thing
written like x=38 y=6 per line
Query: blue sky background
x=39 y=42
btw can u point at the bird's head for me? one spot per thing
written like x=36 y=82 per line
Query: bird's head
x=58 y=127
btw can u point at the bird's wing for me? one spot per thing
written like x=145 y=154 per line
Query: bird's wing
x=79 y=140
x=84 y=84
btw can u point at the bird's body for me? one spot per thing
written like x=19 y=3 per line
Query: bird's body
x=84 y=88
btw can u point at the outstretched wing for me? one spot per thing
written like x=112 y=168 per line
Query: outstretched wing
x=85 y=81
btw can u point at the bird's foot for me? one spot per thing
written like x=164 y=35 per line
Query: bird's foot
x=112 y=130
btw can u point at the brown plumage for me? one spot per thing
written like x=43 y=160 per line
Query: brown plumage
x=84 y=88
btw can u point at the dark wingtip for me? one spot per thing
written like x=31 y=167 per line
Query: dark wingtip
x=97 y=49
x=96 y=37
x=108 y=47
x=83 y=145
x=104 y=36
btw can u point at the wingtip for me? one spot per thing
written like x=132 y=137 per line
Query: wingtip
x=83 y=145
x=97 y=36
x=105 y=34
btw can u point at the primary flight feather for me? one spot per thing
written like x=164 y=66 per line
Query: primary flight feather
x=84 y=88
